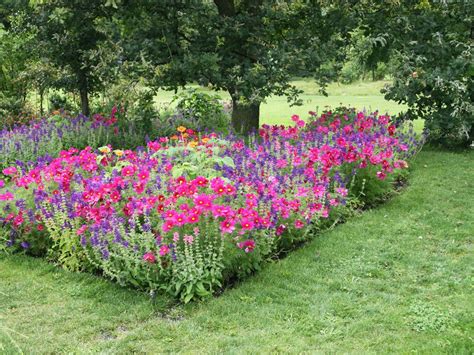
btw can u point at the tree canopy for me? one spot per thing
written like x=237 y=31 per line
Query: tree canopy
x=253 y=49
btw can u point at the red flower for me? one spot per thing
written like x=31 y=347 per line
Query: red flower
x=391 y=130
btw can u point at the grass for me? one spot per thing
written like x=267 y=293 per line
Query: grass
x=394 y=279
x=276 y=110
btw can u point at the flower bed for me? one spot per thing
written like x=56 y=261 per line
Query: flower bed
x=43 y=139
x=190 y=212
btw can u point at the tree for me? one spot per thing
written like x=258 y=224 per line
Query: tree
x=434 y=44
x=14 y=56
x=68 y=33
x=249 y=48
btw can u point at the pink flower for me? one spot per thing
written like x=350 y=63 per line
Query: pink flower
x=2 y=184
x=248 y=245
x=295 y=118
x=203 y=201
x=154 y=146
x=247 y=224
x=201 y=181
x=143 y=175
x=150 y=257
x=10 y=170
x=381 y=175
x=280 y=229
x=193 y=218
x=176 y=237
x=18 y=220
x=281 y=163
x=188 y=239
x=128 y=170
x=299 y=224
x=227 y=226
x=342 y=191
x=164 y=249
x=179 y=219
x=7 y=196
x=167 y=226
x=82 y=229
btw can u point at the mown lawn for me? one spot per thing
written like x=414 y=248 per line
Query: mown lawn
x=276 y=110
x=398 y=278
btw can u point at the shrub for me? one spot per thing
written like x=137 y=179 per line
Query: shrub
x=59 y=102
x=205 y=111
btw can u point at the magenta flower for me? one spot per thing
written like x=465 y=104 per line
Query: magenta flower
x=164 y=250
x=299 y=224
x=10 y=170
x=150 y=257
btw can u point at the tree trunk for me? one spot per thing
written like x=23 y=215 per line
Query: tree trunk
x=84 y=93
x=84 y=101
x=41 y=93
x=245 y=118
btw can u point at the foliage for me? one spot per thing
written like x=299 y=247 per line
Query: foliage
x=14 y=59
x=204 y=110
x=434 y=74
x=58 y=102
x=249 y=49
x=363 y=54
x=68 y=35
x=193 y=211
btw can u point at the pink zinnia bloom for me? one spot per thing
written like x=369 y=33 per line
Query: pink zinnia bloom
x=154 y=146
x=299 y=224
x=281 y=163
x=149 y=257
x=143 y=175
x=248 y=245
x=115 y=196
x=164 y=249
x=10 y=170
x=128 y=170
x=203 y=201
x=280 y=229
x=247 y=224
x=201 y=181
x=193 y=218
x=167 y=226
x=227 y=226
x=381 y=175
x=179 y=219
x=342 y=191
x=7 y=196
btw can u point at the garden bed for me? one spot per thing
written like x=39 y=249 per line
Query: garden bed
x=191 y=212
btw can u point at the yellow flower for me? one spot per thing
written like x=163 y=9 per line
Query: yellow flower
x=118 y=152
x=192 y=144
x=185 y=135
x=181 y=129
x=205 y=140
x=104 y=150
x=174 y=137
